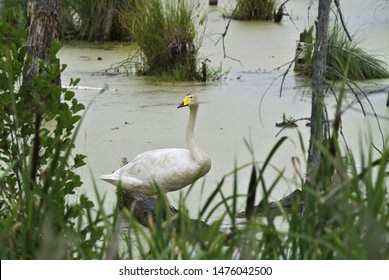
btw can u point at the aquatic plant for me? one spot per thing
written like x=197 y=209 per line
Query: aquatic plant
x=287 y=121
x=346 y=59
x=168 y=38
x=14 y=12
x=254 y=10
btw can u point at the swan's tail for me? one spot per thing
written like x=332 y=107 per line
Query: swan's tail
x=111 y=178
x=128 y=183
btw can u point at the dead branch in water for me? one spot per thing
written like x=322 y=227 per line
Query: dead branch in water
x=223 y=36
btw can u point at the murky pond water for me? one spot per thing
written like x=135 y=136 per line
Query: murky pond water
x=138 y=114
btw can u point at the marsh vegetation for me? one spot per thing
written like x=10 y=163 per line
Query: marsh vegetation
x=344 y=212
x=254 y=10
x=169 y=37
x=346 y=59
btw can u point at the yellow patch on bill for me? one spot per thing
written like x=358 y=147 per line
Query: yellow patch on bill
x=186 y=101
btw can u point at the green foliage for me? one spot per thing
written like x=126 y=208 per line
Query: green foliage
x=166 y=33
x=254 y=10
x=92 y=20
x=95 y=20
x=347 y=59
x=14 y=13
x=37 y=171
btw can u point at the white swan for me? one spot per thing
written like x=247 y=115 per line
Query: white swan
x=166 y=169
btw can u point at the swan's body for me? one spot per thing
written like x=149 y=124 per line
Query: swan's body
x=167 y=169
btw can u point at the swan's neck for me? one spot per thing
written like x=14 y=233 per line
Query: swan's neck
x=198 y=155
x=190 y=142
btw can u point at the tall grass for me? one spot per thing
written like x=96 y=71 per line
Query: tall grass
x=254 y=10
x=347 y=59
x=91 y=20
x=167 y=35
x=95 y=20
x=14 y=12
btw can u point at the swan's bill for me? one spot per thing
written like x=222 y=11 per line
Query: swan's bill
x=186 y=101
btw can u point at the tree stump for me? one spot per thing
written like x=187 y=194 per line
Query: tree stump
x=302 y=49
x=286 y=203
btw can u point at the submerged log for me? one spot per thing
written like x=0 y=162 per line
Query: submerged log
x=147 y=208
x=286 y=123
x=142 y=206
x=277 y=208
x=280 y=12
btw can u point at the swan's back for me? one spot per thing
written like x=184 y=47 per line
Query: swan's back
x=169 y=169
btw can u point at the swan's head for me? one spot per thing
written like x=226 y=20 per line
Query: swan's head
x=190 y=100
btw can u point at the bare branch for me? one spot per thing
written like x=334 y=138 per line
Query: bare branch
x=223 y=36
x=284 y=75
x=337 y=4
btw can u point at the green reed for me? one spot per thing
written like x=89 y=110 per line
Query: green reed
x=168 y=36
x=348 y=59
x=254 y=10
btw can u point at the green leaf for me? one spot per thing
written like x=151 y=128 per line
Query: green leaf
x=69 y=95
x=85 y=202
x=79 y=161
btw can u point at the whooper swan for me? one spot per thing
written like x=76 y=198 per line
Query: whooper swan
x=167 y=169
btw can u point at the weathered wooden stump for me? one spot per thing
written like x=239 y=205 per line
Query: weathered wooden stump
x=302 y=49
x=145 y=210
x=286 y=203
x=279 y=14
x=143 y=207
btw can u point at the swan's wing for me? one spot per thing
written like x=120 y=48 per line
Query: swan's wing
x=162 y=166
x=170 y=169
